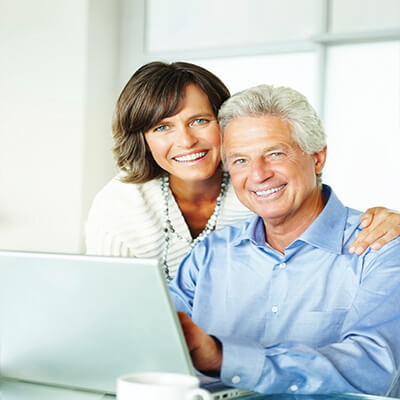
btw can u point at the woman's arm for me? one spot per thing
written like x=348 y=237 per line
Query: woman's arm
x=380 y=227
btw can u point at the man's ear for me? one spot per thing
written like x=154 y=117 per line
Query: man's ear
x=319 y=160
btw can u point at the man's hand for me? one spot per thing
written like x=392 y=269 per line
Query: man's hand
x=380 y=227
x=206 y=352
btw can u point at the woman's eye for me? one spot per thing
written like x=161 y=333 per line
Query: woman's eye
x=199 y=121
x=161 y=128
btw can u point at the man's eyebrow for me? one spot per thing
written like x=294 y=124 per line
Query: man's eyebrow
x=233 y=155
x=280 y=146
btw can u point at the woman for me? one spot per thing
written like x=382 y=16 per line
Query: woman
x=172 y=190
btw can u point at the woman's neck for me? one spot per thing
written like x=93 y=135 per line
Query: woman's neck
x=196 y=191
x=196 y=200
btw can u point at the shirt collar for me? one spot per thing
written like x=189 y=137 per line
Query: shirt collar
x=325 y=232
x=253 y=230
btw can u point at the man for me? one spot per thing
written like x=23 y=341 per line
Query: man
x=277 y=303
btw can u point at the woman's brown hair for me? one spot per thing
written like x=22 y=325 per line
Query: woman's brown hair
x=153 y=93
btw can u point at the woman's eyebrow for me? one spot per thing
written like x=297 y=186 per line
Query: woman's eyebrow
x=197 y=115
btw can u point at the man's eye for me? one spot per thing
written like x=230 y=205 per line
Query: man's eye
x=161 y=128
x=239 y=161
x=277 y=154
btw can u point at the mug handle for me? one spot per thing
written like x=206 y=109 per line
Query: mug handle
x=198 y=392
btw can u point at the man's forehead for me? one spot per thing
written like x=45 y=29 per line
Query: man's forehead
x=271 y=130
x=267 y=123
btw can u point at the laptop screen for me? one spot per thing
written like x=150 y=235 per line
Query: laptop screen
x=81 y=321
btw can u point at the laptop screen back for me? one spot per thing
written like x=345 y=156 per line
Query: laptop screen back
x=81 y=321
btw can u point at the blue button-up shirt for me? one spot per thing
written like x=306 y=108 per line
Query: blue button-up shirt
x=315 y=319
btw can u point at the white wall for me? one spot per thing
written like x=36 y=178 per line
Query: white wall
x=132 y=38
x=55 y=112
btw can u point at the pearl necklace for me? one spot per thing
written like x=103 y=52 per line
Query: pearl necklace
x=169 y=229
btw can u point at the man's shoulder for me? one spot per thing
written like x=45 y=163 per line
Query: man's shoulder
x=390 y=252
x=232 y=232
x=353 y=220
x=353 y=227
x=217 y=246
x=385 y=262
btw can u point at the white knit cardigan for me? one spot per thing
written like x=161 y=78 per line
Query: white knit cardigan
x=127 y=220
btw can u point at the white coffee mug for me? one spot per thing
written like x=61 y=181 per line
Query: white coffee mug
x=160 y=386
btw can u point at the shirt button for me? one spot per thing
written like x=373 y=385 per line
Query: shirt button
x=294 y=388
x=236 y=379
x=274 y=309
x=282 y=266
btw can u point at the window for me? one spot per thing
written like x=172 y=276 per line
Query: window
x=362 y=119
x=297 y=70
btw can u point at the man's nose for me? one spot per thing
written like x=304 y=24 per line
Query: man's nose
x=186 y=138
x=260 y=170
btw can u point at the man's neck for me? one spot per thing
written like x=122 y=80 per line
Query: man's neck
x=281 y=232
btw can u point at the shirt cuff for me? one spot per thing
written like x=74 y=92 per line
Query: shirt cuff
x=242 y=363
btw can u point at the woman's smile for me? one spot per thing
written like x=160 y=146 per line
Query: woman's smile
x=192 y=156
x=187 y=144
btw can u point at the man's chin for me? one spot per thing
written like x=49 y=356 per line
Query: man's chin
x=272 y=215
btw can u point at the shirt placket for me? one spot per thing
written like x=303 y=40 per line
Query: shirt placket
x=277 y=296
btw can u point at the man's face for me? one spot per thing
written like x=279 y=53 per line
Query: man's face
x=271 y=174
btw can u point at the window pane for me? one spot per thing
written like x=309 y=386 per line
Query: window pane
x=178 y=25
x=296 y=70
x=363 y=123
x=364 y=15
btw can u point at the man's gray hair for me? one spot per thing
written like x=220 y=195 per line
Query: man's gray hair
x=282 y=102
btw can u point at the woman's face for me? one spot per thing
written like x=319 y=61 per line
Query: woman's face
x=187 y=144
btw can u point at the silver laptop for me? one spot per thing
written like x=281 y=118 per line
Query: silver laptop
x=81 y=321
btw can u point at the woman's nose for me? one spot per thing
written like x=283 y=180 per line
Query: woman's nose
x=186 y=138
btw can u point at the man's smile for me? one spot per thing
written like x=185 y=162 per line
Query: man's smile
x=270 y=191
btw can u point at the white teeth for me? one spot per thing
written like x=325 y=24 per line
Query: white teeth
x=269 y=191
x=191 y=157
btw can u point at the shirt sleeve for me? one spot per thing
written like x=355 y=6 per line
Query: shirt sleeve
x=365 y=359
x=182 y=287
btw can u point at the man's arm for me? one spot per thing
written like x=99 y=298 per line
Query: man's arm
x=364 y=359
x=206 y=351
